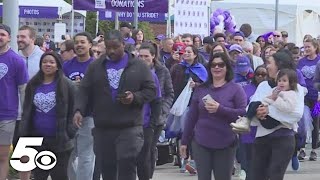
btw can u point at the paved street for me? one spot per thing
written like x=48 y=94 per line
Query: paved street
x=308 y=171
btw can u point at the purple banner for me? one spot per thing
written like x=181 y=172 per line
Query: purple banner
x=39 y=12
x=128 y=16
x=36 y=12
x=159 y=6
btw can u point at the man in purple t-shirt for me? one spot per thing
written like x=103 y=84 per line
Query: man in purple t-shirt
x=74 y=69
x=13 y=79
x=125 y=29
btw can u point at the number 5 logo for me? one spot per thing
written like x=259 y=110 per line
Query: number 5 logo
x=44 y=160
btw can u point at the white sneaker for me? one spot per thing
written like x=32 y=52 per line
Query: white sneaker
x=242 y=124
x=242 y=175
x=237 y=169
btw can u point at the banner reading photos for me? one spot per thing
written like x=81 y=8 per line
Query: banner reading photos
x=191 y=16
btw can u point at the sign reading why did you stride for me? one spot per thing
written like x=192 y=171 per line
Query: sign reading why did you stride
x=149 y=10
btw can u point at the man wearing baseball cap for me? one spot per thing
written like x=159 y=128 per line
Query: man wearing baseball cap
x=206 y=48
x=243 y=71
x=237 y=38
x=235 y=50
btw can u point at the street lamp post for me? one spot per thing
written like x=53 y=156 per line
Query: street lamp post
x=11 y=19
x=72 y=20
x=276 y=15
x=135 y=16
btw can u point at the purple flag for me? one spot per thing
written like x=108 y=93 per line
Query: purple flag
x=159 y=6
x=128 y=16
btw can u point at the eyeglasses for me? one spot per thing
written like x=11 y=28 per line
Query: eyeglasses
x=277 y=35
x=285 y=35
x=261 y=74
x=220 y=65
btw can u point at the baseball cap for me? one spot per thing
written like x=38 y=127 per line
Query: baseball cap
x=160 y=37
x=242 y=64
x=208 y=40
x=6 y=28
x=181 y=47
x=236 y=47
x=238 y=33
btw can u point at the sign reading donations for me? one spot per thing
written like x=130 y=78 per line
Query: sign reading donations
x=151 y=6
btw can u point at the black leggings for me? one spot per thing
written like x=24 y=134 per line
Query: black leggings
x=59 y=172
x=271 y=156
x=315 y=123
x=218 y=161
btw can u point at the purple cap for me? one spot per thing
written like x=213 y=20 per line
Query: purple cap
x=236 y=47
x=160 y=37
x=238 y=33
x=266 y=36
x=242 y=64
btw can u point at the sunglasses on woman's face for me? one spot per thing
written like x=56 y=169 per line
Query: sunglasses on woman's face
x=220 y=65
x=263 y=74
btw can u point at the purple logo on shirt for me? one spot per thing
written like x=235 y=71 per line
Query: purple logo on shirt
x=3 y=70
x=114 y=77
x=45 y=102
x=73 y=76
x=308 y=71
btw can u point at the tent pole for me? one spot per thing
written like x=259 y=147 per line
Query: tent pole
x=72 y=20
x=97 y=23
x=11 y=19
x=169 y=21
x=116 y=21
x=276 y=15
x=135 y=16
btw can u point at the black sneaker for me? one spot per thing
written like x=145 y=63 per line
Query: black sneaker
x=313 y=156
x=302 y=155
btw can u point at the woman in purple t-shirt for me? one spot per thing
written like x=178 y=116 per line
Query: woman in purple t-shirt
x=307 y=66
x=47 y=113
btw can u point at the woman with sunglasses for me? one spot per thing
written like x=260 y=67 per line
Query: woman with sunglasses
x=214 y=105
x=247 y=139
x=48 y=112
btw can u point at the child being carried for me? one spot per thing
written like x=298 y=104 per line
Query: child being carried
x=283 y=97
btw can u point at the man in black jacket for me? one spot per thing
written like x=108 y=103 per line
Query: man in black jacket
x=118 y=85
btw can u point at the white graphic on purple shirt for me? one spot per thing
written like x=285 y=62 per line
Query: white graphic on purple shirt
x=3 y=70
x=114 y=77
x=45 y=102
x=308 y=71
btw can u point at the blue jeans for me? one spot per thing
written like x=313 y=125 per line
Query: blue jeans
x=81 y=163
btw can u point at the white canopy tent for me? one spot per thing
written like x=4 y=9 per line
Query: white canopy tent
x=297 y=17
